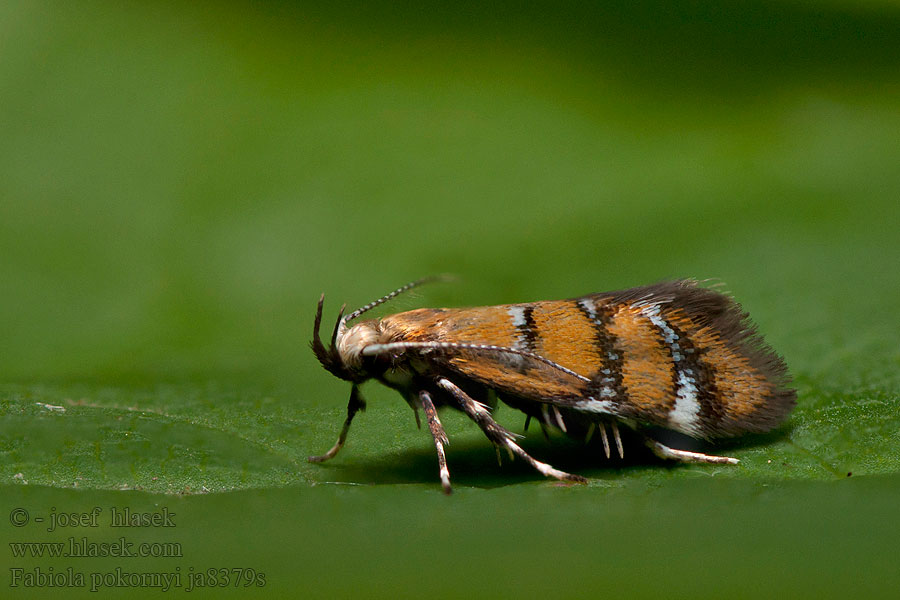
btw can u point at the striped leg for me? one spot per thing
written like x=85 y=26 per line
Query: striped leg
x=500 y=436
x=663 y=451
x=355 y=405
x=605 y=439
x=440 y=438
x=615 y=430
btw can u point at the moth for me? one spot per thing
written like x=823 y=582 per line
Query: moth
x=675 y=355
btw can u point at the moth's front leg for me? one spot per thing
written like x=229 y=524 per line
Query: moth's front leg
x=440 y=438
x=355 y=405
x=498 y=435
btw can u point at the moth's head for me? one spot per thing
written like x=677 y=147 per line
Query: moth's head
x=344 y=356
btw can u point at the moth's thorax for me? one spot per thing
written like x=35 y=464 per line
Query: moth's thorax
x=403 y=326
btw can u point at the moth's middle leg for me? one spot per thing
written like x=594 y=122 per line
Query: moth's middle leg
x=440 y=437
x=499 y=435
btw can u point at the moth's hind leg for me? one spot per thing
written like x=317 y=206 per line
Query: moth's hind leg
x=663 y=451
x=500 y=436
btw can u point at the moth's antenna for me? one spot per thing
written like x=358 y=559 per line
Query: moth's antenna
x=373 y=349
x=396 y=293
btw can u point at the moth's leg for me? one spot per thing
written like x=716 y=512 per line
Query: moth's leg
x=544 y=430
x=559 y=419
x=355 y=405
x=663 y=451
x=414 y=405
x=543 y=421
x=590 y=432
x=440 y=438
x=500 y=436
x=615 y=430
x=604 y=438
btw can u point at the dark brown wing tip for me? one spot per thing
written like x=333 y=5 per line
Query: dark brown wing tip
x=712 y=308
x=721 y=313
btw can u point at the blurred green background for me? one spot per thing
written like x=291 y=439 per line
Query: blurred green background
x=180 y=181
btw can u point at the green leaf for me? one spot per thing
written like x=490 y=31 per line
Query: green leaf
x=180 y=183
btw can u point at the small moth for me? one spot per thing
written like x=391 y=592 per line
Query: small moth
x=673 y=355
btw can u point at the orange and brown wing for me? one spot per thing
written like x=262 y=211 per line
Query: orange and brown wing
x=674 y=355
